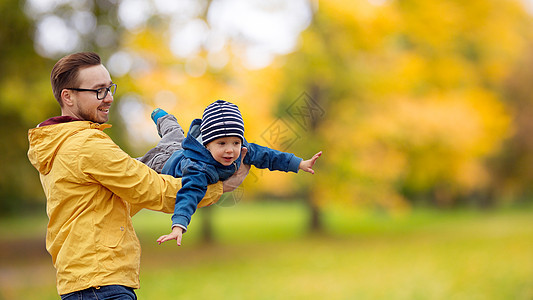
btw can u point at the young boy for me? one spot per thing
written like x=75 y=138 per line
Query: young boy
x=210 y=152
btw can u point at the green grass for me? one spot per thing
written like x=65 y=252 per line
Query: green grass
x=263 y=251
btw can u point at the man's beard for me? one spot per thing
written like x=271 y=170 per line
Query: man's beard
x=88 y=117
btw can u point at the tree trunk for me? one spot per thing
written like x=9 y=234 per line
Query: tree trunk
x=207 y=225
x=315 y=220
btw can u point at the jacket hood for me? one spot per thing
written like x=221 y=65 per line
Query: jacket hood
x=45 y=141
x=193 y=144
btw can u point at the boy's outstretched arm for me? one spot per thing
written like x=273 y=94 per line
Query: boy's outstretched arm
x=176 y=234
x=307 y=165
x=229 y=185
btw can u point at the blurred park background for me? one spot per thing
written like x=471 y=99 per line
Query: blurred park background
x=422 y=110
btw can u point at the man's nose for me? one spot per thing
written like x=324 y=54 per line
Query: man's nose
x=108 y=98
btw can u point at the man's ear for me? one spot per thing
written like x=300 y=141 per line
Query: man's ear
x=66 y=97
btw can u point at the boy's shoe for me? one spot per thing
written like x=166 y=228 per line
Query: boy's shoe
x=157 y=113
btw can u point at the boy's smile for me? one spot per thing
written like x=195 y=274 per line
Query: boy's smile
x=225 y=150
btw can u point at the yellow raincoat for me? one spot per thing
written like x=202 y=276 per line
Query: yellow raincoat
x=92 y=189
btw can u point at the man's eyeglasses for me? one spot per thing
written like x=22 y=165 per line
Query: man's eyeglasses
x=101 y=93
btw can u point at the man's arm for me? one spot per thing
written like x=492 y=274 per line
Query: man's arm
x=130 y=179
x=214 y=191
x=212 y=195
x=139 y=185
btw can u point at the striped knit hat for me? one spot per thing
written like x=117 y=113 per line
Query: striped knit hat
x=221 y=119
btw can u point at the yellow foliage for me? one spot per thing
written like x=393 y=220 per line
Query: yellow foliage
x=410 y=94
x=254 y=91
x=441 y=137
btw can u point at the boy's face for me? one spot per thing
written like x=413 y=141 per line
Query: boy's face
x=225 y=150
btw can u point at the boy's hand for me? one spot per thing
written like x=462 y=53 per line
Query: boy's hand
x=307 y=165
x=236 y=179
x=176 y=234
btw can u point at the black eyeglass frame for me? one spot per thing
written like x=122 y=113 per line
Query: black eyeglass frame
x=98 y=91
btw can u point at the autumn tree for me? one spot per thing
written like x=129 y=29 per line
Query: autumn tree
x=411 y=95
x=22 y=86
x=511 y=169
x=26 y=99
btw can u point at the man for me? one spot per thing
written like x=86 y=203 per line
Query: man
x=93 y=187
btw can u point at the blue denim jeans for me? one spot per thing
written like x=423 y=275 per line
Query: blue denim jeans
x=108 y=292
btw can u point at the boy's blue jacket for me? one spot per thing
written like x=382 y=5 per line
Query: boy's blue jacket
x=198 y=169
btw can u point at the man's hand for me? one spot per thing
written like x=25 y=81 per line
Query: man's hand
x=236 y=179
x=176 y=234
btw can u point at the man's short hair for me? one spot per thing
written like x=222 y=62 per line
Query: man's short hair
x=65 y=71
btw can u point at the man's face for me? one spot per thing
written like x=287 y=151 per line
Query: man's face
x=86 y=106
